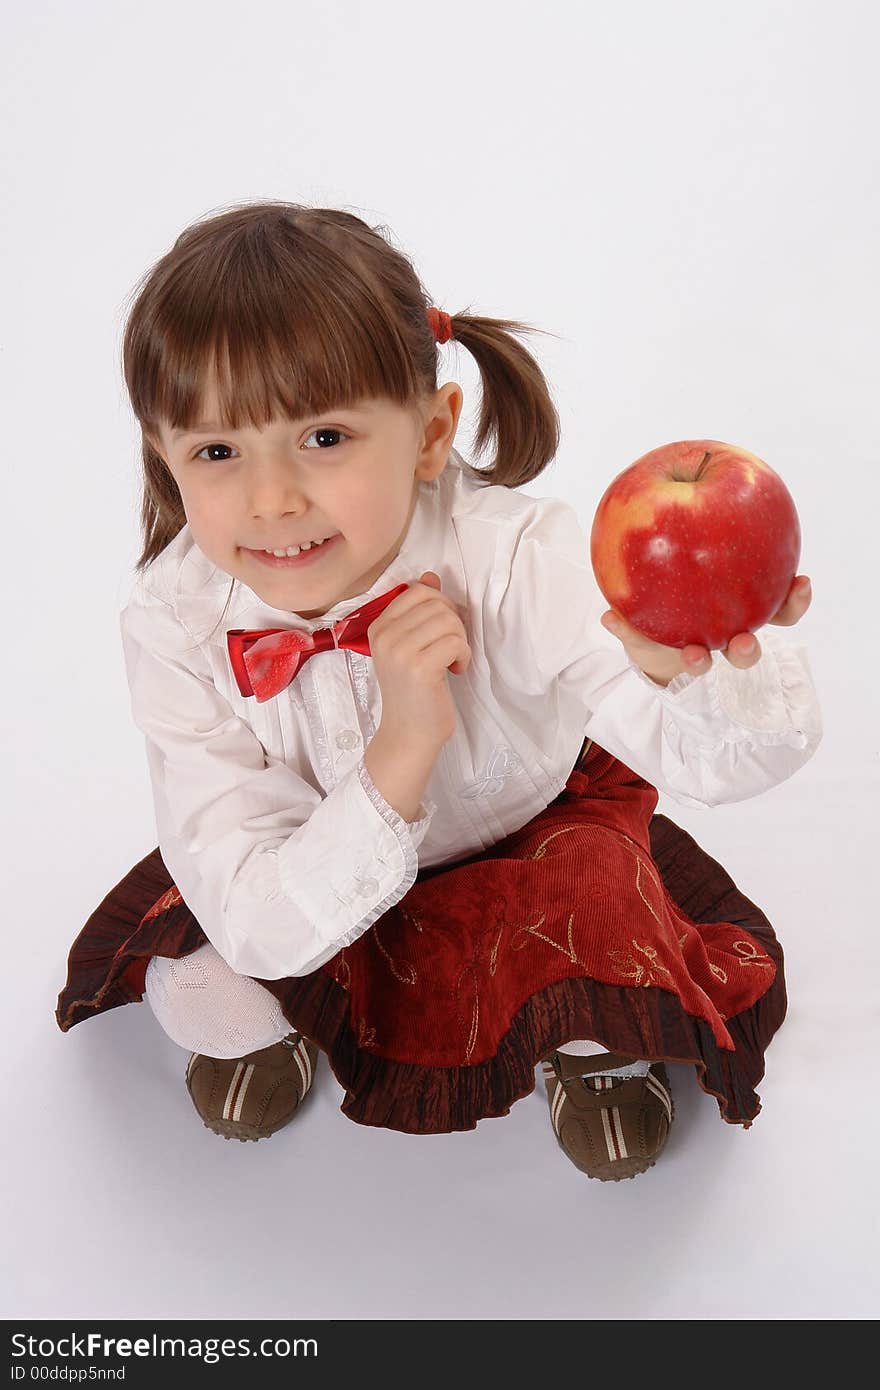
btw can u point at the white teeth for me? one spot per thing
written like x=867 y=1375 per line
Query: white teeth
x=295 y=549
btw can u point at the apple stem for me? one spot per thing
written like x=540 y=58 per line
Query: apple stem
x=699 y=473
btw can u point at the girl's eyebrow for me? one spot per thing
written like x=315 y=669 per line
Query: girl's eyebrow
x=210 y=426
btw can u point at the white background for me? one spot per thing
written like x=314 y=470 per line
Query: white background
x=687 y=195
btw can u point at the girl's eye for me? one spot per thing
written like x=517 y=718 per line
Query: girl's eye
x=321 y=429
x=212 y=446
x=327 y=429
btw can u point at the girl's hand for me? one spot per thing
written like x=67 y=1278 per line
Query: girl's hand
x=414 y=642
x=662 y=664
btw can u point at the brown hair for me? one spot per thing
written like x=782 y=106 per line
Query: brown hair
x=295 y=310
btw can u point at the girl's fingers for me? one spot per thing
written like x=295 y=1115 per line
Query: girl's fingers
x=694 y=657
x=800 y=596
x=743 y=651
x=644 y=649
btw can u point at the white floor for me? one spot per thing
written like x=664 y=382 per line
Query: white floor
x=125 y=1206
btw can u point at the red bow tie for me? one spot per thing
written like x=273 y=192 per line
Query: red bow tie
x=265 y=660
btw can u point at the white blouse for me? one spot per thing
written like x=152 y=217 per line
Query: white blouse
x=267 y=819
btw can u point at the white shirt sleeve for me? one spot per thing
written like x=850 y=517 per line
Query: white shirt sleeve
x=278 y=876
x=704 y=740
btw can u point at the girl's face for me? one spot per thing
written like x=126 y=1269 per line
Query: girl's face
x=354 y=471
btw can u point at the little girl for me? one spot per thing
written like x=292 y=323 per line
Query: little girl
x=405 y=780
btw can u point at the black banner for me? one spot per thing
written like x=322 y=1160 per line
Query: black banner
x=275 y=1352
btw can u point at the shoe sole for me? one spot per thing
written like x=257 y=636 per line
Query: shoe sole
x=234 y=1130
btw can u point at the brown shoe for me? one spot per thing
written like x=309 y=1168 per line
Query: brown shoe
x=610 y=1127
x=250 y=1097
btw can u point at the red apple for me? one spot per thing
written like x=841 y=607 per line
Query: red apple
x=695 y=542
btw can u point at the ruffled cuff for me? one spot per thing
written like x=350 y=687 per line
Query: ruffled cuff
x=408 y=832
x=772 y=702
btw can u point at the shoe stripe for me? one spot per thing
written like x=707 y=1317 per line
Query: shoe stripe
x=227 y=1104
x=242 y=1091
x=657 y=1085
x=660 y=1091
x=230 y=1097
x=618 y=1127
x=237 y=1090
x=555 y=1102
x=302 y=1072
x=558 y=1102
x=301 y=1051
x=613 y=1132
x=609 y=1138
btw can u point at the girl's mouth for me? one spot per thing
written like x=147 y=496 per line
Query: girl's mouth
x=305 y=557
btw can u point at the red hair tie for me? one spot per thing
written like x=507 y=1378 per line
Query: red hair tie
x=441 y=325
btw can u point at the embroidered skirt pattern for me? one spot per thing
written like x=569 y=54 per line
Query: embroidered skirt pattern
x=597 y=919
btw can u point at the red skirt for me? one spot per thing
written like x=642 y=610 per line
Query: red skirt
x=597 y=919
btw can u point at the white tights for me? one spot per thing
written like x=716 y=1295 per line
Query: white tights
x=204 y=1006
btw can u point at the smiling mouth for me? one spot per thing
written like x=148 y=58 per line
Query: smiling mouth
x=304 y=557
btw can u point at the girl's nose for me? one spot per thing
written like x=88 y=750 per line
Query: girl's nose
x=273 y=489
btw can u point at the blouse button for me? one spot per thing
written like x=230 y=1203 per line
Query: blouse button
x=347 y=739
x=369 y=885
